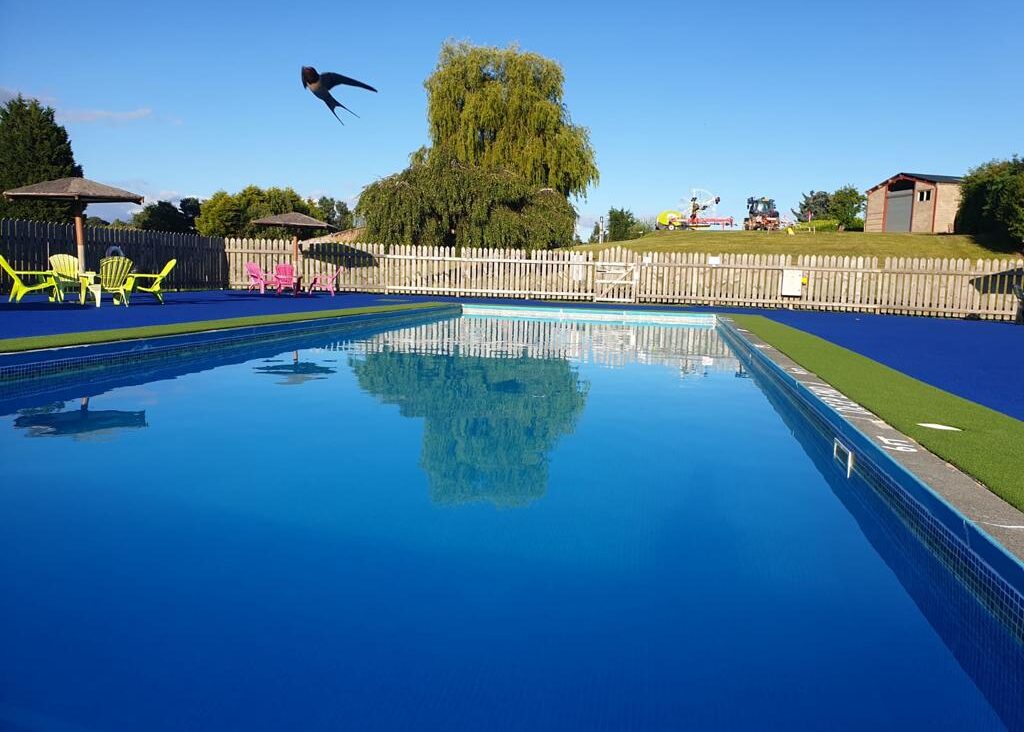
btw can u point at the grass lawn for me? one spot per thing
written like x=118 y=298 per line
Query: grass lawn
x=152 y=331
x=852 y=243
x=990 y=446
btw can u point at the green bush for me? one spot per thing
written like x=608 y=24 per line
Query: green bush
x=992 y=202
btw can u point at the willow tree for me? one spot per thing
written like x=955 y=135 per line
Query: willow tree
x=489 y=439
x=502 y=107
x=439 y=201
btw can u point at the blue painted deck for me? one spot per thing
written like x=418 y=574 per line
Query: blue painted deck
x=978 y=360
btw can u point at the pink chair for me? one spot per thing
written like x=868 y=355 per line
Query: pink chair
x=326 y=282
x=258 y=279
x=284 y=277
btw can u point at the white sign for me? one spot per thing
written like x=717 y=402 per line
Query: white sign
x=714 y=261
x=577 y=272
x=792 y=282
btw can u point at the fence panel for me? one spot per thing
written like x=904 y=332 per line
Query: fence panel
x=900 y=285
x=28 y=245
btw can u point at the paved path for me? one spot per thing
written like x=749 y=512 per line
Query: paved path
x=979 y=360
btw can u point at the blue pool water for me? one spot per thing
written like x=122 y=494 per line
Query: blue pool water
x=468 y=523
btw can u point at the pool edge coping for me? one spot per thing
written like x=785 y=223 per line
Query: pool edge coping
x=216 y=325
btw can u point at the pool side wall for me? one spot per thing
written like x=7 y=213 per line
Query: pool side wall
x=58 y=361
x=994 y=574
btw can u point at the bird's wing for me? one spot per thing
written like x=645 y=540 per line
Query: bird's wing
x=331 y=80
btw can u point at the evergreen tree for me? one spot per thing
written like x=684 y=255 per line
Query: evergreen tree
x=33 y=149
x=622 y=225
x=335 y=213
x=163 y=216
x=817 y=203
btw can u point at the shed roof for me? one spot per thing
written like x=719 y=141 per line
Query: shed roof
x=925 y=177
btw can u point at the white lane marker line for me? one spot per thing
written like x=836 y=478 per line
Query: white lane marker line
x=936 y=426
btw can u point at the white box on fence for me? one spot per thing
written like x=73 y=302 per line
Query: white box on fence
x=577 y=272
x=792 y=282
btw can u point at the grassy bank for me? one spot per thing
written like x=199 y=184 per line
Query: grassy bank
x=988 y=448
x=29 y=343
x=847 y=243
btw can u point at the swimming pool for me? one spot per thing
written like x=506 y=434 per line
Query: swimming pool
x=471 y=523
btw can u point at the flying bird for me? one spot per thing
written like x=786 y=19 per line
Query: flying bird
x=321 y=85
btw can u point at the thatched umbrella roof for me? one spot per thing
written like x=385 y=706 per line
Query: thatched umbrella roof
x=293 y=220
x=82 y=190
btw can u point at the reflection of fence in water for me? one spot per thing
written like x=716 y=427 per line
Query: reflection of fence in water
x=692 y=350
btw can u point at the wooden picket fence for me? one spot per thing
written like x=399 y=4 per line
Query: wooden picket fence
x=915 y=286
x=940 y=287
x=27 y=245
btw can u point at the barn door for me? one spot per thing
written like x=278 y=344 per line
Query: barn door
x=898 y=208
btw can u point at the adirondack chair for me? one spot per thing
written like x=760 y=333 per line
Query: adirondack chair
x=154 y=280
x=65 y=275
x=20 y=288
x=258 y=279
x=326 y=282
x=284 y=277
x=114 y=277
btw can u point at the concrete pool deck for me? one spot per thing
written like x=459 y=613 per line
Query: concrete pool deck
x=977 y=360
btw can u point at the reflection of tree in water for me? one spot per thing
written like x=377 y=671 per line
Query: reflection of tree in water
x=489 y=423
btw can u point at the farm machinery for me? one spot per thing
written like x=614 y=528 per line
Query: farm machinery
x=701 y=214
x=761 y=215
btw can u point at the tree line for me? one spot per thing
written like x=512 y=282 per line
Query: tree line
x=504 y=159
x=35 y=148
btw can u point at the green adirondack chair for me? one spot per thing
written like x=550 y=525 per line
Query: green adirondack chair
x=65 y=275
x=20 y=288
x=114 y=277
x=154 y=280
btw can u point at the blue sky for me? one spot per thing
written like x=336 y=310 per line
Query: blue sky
x=740 y=98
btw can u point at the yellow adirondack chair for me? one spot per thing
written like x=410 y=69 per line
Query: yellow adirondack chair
x=20 y=288
x=154 y=280
x=65 y=275
x=114 y=277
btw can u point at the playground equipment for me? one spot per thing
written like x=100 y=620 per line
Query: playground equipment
x=702 y=213
x=761 y=215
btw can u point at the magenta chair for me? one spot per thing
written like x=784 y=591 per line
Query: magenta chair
x=284 y=277
x=258 y=279
x=326 y=282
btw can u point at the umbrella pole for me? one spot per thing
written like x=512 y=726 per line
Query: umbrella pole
x=80 y=236
x=295 y=252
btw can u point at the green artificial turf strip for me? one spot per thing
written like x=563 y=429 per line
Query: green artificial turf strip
x=991 y=446
x=9 y=345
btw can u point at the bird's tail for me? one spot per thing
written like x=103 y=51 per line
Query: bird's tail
x=334 y=104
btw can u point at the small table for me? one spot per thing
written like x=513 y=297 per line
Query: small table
x=89 y=286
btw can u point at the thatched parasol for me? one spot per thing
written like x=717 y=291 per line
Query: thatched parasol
x=296 y=222
x=81 y=191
